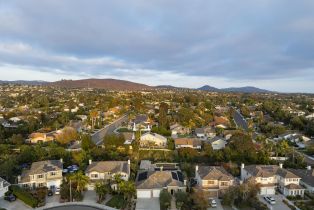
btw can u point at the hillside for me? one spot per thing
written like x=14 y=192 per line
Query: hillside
x=110 y=84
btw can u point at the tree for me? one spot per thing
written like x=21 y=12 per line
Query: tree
x=164 y=199
x=87 y=142
x=127 y=188
x=67 y=135
x=181 y=198
x=101 y=189
x=93 y=116
x=79 y=180
x=200 y=200
x=17 y=139
x=163 y=110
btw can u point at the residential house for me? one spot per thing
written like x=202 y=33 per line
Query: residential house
x=310 y=116
x=213 y=180
x=4 y=187
x=46 y=173
x=218 y=142
x=147 y=165
x=200 y=132
x=188 y=143
x=307 y=177
x=106 y=170
x=149 y=184
x=272 y=177
x=39 y=137
x=129 y=137
x=141 y=122
x=178 y=129
x=153 y=139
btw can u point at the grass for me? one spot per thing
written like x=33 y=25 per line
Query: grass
x=117 y=201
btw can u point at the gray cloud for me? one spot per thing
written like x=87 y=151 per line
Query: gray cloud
x=246 y=40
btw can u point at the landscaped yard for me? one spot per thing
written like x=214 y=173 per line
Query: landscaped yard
x=117 y=201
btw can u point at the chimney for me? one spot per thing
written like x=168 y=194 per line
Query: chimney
x=280 y=165
x=196 y=169
x=18 y=179
x=90 y=161
x=161 y=168
x=129 y=162
x=185 y=182
x=242 y=165
x=309 y=168
x=61 y=160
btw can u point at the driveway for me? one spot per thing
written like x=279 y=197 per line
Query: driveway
x=279 y=204
x=219 y=206
x=147 y=203
x=15 y=205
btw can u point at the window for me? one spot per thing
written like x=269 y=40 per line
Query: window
x=40 y=184
x=53 y=173
x=40 y=176
x=223 y=183
x=210 y=182
x=94 y=176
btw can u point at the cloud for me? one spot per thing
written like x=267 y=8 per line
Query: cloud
x=250 y=41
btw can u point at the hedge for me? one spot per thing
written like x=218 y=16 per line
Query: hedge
x=24 y=196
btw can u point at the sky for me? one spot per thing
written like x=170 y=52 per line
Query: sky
x=223 y=43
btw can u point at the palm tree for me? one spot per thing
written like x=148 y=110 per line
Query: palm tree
x=80 y=180
x=101 y=189
x=93 y=115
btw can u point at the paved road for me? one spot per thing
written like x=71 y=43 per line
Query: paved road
x=239 y=120
x=279 y=204
x=76 y=207
x=98 y=137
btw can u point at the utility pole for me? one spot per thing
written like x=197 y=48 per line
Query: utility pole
x=70 y=191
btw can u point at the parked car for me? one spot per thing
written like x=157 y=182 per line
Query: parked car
x=270 y=200
x=10 y=197
x=57 y=192
x=212 y=203
x=50 y=193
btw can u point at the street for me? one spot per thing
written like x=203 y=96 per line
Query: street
x=240 y=121
x=98 y=136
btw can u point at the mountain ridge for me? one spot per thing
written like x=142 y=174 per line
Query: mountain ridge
x=116 y=84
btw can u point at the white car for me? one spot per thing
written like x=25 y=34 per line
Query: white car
x=212 y=203
x=270 y=200
x=57 y=192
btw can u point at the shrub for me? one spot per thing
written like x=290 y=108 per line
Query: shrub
x=164 y=199
x=24 y=196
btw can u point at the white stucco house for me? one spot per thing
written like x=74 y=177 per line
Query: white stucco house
x=218 y=142
x=153 y=139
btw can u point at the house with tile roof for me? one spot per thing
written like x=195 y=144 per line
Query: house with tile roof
x=272 y=177
x=213 y=180
x=106 y=170
x=149 y=184
x=4 y=187
x=46 y=173
x=188 y=143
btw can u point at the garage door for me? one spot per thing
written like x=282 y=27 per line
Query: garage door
x=143 y=193
x=267 y=191
x=156 y=193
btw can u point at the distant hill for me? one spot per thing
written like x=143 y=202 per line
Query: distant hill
x=208 y=88
x=247 y=89
x=24 y=82
x=110 y=84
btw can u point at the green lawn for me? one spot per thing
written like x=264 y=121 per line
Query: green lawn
x=117 y=201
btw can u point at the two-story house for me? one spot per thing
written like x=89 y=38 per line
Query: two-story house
x=213 y=180
x=307 y=177
x=272 y=177
x=4 y=187
x=46 y=173
x=153 y=139
x=106 y=170
x=218 y=142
